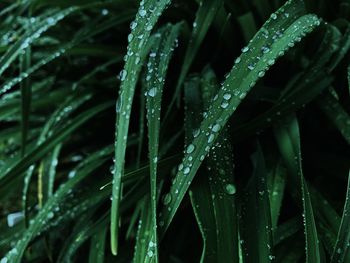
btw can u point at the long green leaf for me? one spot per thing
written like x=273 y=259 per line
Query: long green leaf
x=341 y=247
x=25 y=61
x=97 y=250
x=257 y=57
x=157 y=66
x=138 y=38
x=336 y=114
x=28 y=38
x=47 y=212
x=255 y=214
x=204 y=18
x=36 y=153
x=221 y=183
x=288 y=139
x=91 y=29
x=200 y=192
x=276 y=187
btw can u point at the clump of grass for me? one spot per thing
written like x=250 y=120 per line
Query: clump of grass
x=226 y=131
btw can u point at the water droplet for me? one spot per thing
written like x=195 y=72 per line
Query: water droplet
x=167 y=199
x=187 y=170
x=271 y=62
x=237 y=60
x=274 y=16
x=152 y=92
x=118 y=105
x=123 y=74
x=245 y=49
x=265 y=49
x=242 y=95
x=104 y=12
x=133 y=25
x=142 y=12
x=151 y=244
x=251 y=67
x=4 y=260
x=50 y=20
x=50 y=215
x=216 y=128
x=230 y=189
x=227 y=96
x=190 y=148
x=224 y=104
x=196 y=133
x=261 y=74
x=14 y=218
x=211 y=138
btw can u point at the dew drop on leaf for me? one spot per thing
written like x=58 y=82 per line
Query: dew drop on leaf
x=227 y=96
x=196 y=133
x=187 y=170
x=123 y=74
x=211 y=138
x=190 y=148
x=251 y=67
x=216 y=128
x=142 y=12
x=245 y=49
x=152 y=92
x=224 y=105
x=230 y=189
x=167 y=199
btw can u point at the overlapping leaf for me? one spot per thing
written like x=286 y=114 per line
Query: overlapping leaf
x=268 y=44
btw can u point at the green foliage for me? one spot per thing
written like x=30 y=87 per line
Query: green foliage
x=224 y=138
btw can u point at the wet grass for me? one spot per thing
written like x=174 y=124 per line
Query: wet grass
x=174 y=131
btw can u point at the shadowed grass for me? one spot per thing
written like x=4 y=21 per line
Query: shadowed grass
x=236 y=150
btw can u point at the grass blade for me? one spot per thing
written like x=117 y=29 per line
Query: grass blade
x=221 y=182
x=238 y=82
x=288 y=139
x=276 y=187
x=256 y=227
x=37 y=152
x=200 y=193
x=129 y=75
x=48 y=210
x=91 y=29
x=204 y=18
x=143 y=233
x=340 y=252
x=336 y=114
x=30 y=36
x=25 y=61
x=157 y=66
